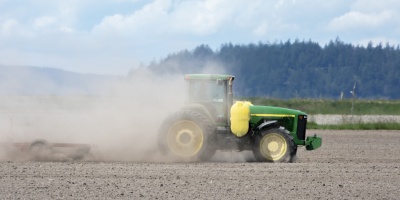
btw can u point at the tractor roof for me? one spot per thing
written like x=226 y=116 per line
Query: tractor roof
x=208 y=77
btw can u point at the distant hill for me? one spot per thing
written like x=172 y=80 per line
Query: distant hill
x=26 y=80
x=298 y=69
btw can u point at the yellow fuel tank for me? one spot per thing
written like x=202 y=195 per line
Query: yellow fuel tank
x=240 y=117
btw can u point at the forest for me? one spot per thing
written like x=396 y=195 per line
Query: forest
x=296 y=69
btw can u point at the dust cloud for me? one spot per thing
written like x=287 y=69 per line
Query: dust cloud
x=121 y=125
x=120 y=121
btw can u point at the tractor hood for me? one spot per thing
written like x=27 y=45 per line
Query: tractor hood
x=272 y=112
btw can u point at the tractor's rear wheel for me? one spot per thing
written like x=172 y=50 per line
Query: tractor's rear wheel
x=188 y=136
x=39 y=150
x=274 y=145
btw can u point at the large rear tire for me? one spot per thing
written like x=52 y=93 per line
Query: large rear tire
x=39 y=150
x=274 y=145
x=187 y=136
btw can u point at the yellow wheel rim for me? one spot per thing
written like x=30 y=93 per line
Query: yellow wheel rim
x=185 y=138
x=273 y=146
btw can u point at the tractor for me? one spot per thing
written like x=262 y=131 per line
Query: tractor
x=211 y=121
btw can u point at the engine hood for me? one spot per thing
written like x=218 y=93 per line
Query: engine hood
x=271 y=111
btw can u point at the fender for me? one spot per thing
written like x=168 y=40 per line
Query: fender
x=266 y=124
x=200 y=109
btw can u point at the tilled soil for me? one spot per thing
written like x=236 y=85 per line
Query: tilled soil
x=349 y=165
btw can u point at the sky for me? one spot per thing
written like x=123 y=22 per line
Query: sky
x=116 y=36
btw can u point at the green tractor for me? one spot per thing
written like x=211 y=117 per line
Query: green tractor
x=211 y=121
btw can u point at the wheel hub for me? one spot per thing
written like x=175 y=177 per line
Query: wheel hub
x=185 y=138
x=273 y=146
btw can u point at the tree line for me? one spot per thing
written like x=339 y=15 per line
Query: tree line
x=296 y=69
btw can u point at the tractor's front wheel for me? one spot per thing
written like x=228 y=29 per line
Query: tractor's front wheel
x=274 y=145
x=188 y=136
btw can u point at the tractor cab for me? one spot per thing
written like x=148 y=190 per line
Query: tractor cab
x=211 y=95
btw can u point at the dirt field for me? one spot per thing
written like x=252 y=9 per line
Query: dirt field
x=349 y=165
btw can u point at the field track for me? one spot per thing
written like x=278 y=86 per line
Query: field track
x=349 y=165
x=340 y=119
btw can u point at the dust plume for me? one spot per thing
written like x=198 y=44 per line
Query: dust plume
x=130 y=119
x=120 y=125
x=120 y=120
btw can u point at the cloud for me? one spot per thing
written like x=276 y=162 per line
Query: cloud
x=151 y=14
x=43 y=22
x=366 y=21
x=372 y=6
x=356 y=20
x=8 y=26
x=98 y=33
x=171 y=17
x=261 y=30
x=203 y=17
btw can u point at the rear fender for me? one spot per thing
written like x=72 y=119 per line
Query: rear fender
x=200 y=109
x=39 y=142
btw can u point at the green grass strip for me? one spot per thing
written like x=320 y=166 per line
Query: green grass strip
x=330 y=106
x=356 y=126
